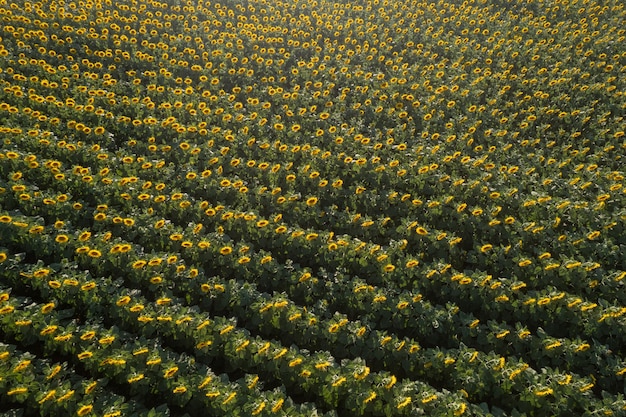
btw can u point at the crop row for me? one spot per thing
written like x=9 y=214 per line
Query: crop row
x=52 y=387
x=140 y=364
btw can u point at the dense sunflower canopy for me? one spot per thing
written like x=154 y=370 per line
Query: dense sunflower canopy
x=312 y=208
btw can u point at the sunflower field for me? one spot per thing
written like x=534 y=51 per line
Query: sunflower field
x=312 y=208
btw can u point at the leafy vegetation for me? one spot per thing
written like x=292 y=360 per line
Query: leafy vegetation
x=312 y=208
